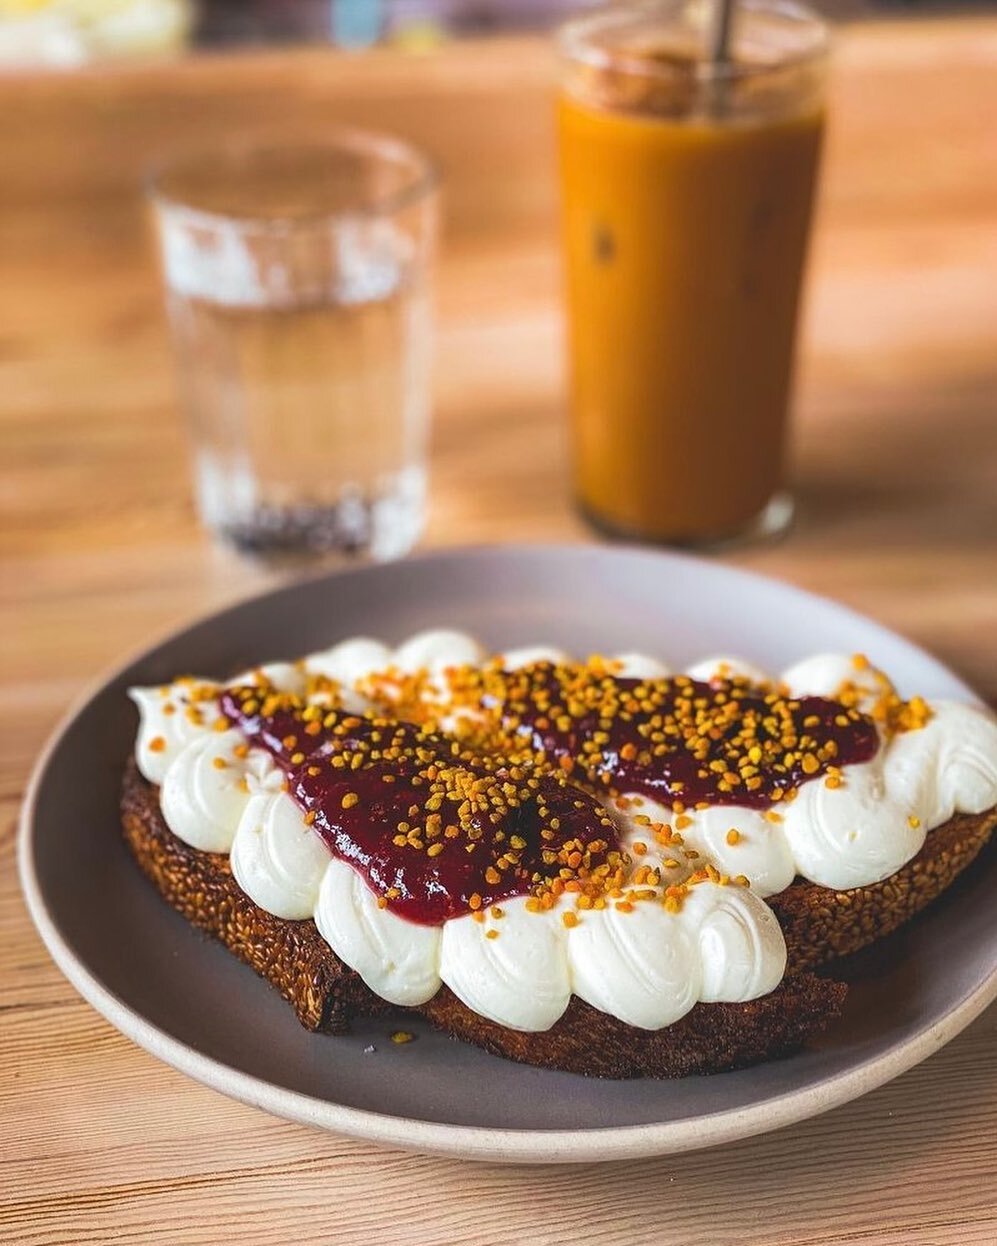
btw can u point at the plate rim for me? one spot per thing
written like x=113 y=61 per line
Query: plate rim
x=496 y=1144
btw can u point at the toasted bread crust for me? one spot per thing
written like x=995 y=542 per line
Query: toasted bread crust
x=325 y=994
x=821 y=924
x=711 y=1038
x=292 y=956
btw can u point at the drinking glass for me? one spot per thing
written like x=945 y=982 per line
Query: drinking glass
x=298 y=290
x=687 y=186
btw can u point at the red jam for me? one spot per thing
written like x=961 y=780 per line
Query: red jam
x=439 y=827
x=678 y=740
x=435 y=833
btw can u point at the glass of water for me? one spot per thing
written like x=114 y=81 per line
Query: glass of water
x=297 y=283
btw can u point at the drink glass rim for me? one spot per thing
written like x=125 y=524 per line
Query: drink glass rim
x=575 y=43
x=424 y=181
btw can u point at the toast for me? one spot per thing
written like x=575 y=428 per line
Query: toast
x=326 y=995
x=521 y=763
x=821 y=924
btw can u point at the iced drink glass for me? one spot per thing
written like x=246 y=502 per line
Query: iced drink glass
x=687 y=188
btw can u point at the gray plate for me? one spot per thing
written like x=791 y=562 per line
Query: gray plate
x=185 y=999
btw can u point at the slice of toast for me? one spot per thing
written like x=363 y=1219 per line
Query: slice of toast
x=821 y=924
x=326 y=995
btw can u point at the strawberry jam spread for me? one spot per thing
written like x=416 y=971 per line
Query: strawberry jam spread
x=435 y=832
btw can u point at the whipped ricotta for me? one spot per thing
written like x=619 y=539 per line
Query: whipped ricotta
x=647 y=966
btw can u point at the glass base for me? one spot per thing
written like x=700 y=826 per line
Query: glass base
x=771 y=521
x=378 y=527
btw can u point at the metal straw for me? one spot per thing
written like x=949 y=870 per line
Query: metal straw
x=718 y=55
x=718 y=34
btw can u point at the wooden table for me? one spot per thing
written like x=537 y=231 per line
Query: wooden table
x=897 y=479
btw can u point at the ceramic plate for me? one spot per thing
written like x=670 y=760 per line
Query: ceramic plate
x=186 y=1000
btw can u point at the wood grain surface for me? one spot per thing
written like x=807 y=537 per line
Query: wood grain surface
x=896 y=473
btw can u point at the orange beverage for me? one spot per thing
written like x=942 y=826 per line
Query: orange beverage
x=687 y=192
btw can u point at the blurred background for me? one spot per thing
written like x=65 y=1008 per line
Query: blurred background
x=895 y=441
x=68 y=32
